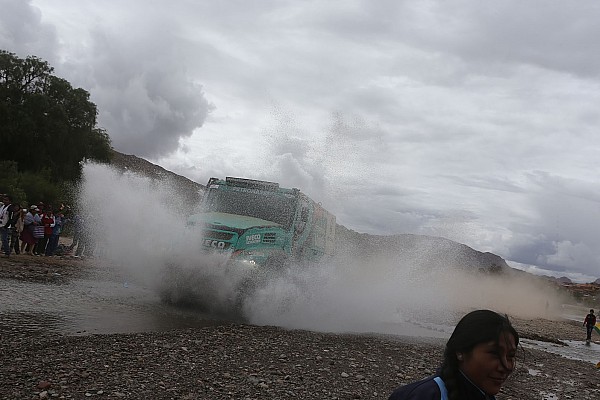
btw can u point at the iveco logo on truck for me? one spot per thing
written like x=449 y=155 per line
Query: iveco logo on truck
x=252 y=239
x=214 y=243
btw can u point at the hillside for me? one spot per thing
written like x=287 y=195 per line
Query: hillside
x=190 y=191
x=433 y=252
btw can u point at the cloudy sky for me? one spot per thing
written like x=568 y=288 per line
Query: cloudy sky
x=476 y=121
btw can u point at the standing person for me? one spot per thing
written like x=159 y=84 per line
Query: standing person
x=31 y=219
x=55 y=236
x=478 y=358
x=87 y=241
x=12 y=228
x=19 y=225
x=48 y=223
x=77 y=230
x=6 y=223
x=589 y=322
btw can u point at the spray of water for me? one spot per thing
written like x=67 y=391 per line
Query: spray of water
x=139 y=225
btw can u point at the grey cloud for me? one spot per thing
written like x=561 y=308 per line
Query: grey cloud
x=554 y=184
x=146 y=97
x=22 y=31
x=555 y=35
x=560 y=231
x=499 y=183
x=530 y=250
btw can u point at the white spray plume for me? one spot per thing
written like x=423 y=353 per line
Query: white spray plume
x=137 y=226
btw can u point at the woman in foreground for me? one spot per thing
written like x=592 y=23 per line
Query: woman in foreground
x=479 y=356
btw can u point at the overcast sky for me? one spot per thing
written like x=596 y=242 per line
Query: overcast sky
x=476 y=121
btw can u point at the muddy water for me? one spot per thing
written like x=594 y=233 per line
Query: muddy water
x=104 y=303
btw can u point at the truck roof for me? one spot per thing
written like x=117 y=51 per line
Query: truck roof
x=249 y=184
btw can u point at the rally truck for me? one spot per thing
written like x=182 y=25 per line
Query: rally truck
x=261 y=225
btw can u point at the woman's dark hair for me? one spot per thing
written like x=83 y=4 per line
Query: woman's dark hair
x=480 y=326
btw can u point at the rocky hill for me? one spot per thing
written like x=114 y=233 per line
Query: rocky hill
x=190 y=191
x=417 y=249
x=430 y=251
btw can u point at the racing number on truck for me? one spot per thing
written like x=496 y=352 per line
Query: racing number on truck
x=217 y=244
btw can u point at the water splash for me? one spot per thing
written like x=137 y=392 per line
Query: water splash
x=138 y=223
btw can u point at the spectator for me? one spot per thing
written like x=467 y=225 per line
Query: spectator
x=87 y=244
x=77 y=231
x=31 y=219
x=19 y=225
x=48 y=223
x=55 y=236
x=479 y=356
x=6 y=222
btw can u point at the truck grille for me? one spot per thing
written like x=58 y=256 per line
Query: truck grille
x=269 y=238
x=217 y=235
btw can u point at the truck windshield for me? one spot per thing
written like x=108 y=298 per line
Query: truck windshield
x=274 y=207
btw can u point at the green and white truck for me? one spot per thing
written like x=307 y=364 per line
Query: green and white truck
x=261 y=225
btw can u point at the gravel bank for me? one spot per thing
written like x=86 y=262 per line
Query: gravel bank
x=235 y=361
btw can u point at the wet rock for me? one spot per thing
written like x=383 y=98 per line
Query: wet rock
x=43 y=385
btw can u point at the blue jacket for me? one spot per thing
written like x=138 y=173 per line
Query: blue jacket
x=429 y=389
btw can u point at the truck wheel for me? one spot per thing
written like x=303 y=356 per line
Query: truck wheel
x=276 y=262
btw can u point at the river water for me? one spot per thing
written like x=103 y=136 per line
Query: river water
x=104 y=303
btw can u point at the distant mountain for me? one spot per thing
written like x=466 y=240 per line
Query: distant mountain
x=416 y=250
x=564 y=279
x=422 y=250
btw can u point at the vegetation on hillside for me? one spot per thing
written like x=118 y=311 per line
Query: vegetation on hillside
x=47 y=128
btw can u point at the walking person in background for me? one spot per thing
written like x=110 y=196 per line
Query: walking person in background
x=479 y=357
x=589 y=322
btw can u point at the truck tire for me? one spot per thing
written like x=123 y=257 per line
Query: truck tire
x=276 y=262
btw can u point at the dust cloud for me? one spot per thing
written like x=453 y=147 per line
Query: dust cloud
x=139 y=225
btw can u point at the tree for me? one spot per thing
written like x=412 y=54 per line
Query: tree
x=45 y=123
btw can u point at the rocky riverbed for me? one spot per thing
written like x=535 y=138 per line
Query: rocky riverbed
x=237 y=361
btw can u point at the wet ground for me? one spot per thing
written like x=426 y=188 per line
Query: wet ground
x=72 y=297
x=574 y=349
x=102 y=302
x=78 y=297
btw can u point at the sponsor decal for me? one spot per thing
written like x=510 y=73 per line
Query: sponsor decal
x=216 y=244
x=253 y=239
x=246 y=190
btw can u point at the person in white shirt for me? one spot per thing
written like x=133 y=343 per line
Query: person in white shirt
x=6 y=220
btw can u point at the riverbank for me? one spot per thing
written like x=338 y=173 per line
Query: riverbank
x=236 y=361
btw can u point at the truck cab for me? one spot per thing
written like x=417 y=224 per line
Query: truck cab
x=259 y=223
